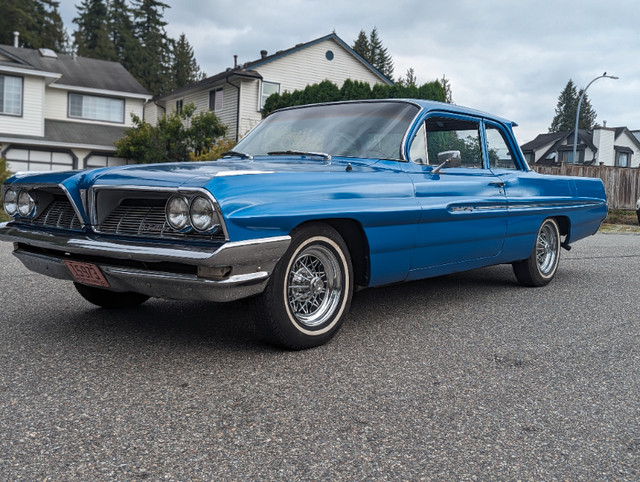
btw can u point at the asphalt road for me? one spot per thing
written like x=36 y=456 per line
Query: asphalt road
x=463 y=377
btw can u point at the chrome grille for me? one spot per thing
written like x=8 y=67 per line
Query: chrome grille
x=58 y=214
x=145 y=217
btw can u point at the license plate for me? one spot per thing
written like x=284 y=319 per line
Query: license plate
x=87 y=273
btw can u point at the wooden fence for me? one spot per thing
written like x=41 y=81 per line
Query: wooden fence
x=622 y=185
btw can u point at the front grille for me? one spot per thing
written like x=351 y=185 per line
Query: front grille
x=58 y=214
x=145 y=217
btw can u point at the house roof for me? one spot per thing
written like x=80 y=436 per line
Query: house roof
x=80 y=72
x=68 y=134
x=247 y=69
x=542 y=140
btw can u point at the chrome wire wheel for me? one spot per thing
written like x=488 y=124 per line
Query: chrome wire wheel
x=314 y=286
x=542 y=264
x=547 y=249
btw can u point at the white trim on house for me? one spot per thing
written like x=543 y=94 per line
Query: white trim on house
x=35 y=73
x=103 y=92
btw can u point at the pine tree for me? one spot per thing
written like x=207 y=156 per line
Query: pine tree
x=91 y=38
x=37 y=21
x=381 y=59
x=362 y=47
x=372 y=50
x=565 y=117
x=152 y=68
x=446 y=85
x=122 y=34
x=185 y=68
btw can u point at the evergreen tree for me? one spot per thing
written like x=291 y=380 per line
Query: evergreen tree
x=185 y=68
x=372 y=50
x=91 y=38
x=152 y=69
x=361 y=46
x=122 y=34
x=565 y=117
x=446 y=85
x=381 y=58
x=37 y=21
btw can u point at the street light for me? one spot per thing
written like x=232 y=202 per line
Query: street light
x=575 y=132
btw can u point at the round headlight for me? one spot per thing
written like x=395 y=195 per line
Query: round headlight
x=177 y=212
x=11 y=201
x=203 y=214
x=26 y=204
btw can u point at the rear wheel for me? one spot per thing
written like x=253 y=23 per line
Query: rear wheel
x=310 y=290
x=541 y=266
x=110 y=299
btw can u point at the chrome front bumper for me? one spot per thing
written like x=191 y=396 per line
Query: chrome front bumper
x=251 y=263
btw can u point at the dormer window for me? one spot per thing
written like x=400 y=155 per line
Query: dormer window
x=91 y=107
x=10 y=95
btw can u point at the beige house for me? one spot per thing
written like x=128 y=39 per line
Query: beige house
x=61 y=112
x=609 y=146
x=238 y=94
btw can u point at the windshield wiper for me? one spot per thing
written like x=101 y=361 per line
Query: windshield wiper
x=323 y=155
x=239 y=154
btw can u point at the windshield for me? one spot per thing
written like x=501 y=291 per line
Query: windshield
x=367 y=129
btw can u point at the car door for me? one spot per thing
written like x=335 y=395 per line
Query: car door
x=464 y=205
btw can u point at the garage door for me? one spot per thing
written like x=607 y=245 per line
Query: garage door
x=19 y=160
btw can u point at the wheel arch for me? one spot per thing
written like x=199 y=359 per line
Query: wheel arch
x=356 y=240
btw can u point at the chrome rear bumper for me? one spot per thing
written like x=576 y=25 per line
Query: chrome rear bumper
x=251 y=263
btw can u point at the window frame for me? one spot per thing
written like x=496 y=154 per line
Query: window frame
x=262 y=98
x=218 y=92
x=83 y=95
x=2 y=111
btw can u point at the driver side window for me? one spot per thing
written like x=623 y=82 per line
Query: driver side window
x=449 y=134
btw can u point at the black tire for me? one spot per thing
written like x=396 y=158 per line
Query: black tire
x=541 y=266
x=110 y=299
x=309 y=293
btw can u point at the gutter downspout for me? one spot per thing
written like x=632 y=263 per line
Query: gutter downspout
x=237 y=109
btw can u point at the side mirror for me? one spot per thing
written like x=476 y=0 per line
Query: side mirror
x=449 y=159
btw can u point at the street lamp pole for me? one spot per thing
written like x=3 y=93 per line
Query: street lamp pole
x=575 y=131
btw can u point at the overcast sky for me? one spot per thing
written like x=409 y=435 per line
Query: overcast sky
x=507 y=57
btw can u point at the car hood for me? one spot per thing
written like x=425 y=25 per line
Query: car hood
x=192 y=174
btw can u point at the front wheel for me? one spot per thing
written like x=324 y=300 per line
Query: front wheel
x=541 y=266
x=110 y=299
x=310 y=290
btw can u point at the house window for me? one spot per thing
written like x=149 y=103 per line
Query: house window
x=179 y=105
x=622 y=159
x=268 y=88
x=96 y=108
x=10 y=95
x=566 y=156
x=216 y=99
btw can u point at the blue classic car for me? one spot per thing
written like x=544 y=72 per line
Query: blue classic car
x=316 y=202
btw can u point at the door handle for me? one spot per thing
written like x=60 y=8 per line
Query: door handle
x=497 y=184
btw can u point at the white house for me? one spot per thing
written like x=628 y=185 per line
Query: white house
x=238 y=94
x=61 y=112
x=609 y=146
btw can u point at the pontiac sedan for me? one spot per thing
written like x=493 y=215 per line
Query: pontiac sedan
x=314 y=203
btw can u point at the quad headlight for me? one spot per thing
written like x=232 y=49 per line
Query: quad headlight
x=26 y=204
x=177 y=212
x=184 y=213
x=10 y=202
x=202 y=213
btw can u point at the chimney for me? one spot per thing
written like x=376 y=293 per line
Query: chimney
x=263 y=53
x=16 y=37
x=235 y=61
